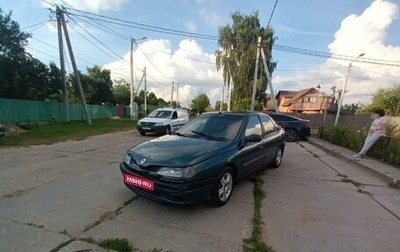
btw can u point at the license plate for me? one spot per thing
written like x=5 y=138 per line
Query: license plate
x=139 y=182
x=146 y=128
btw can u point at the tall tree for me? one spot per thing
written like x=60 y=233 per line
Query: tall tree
x=350 y=108
x=200 y=103
x=236 y=58
x=122 y=92
x=12 y=40
x=387 y=99
x=21 y=75
x=96 y=84
x=12 y=56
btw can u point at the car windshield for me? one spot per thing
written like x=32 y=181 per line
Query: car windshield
x=160 y=114
x=216 y=127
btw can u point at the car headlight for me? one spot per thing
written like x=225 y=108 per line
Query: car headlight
x=172 y=172
x=159 y=124
x=127 y=159
x=139 y=123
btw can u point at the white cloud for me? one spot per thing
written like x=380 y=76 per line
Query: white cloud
x=367 y=33
x=90 y=5
x=364 y=33
x=189 y=66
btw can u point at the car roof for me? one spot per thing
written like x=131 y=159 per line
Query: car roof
x=234 y=113
x=281 y=114
x=169 y=109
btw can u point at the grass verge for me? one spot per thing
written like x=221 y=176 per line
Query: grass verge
x=255 y=243
x=121 y=245
x=36 y=134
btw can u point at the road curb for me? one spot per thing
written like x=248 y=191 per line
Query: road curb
x=389 y=179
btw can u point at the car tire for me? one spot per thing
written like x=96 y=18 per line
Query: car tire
x=291 y=135
x=142 y=133
x=168 y=130
x=276 y=162
x=223 y=187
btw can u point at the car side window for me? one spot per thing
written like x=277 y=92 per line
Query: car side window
x=174 y=115
x=268 y=125
x=253 y=126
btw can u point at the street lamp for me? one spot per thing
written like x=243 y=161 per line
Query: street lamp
x=131 y=68
x=344 y=88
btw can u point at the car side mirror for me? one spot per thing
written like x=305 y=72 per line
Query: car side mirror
x=253 y=138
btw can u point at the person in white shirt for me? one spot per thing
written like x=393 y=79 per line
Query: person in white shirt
x=377 y=129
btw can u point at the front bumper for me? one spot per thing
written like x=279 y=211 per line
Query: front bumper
x=153 y=129
x=175 y=193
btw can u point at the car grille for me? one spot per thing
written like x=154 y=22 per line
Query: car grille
x=148 y=124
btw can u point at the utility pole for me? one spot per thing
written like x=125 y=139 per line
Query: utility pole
x=145 y=91
x=344 y=88
x=78 y=80
x=229 y=95
x=264 y=59
x=62 y=63
x=177 y=94
x=271 y=88
x=172 y=94
x=133 y=93
x=132 y=83
x=253 y=97
x=222 y=98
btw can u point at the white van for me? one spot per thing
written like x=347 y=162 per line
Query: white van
x=163 y=121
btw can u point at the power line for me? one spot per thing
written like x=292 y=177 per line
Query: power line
x=335 y=56
x=100 y=26
x=126 y=23
x=294 y=50
x=119 y=57
x=151 y=62
x=38 y=24
x=307 y=69
x=272 y=13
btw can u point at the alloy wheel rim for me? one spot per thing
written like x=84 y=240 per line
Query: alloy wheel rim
x=225 y=187
x=278 y=159
x=291 y=135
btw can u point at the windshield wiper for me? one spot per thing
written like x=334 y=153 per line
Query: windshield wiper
x=211 y=137
x=179 y=134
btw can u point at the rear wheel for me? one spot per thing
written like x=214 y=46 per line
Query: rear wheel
x=291 y=135
x=223 y=188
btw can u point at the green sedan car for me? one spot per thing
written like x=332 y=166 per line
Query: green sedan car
x=204 y=159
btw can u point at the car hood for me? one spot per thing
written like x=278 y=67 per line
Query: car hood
x=173 y=150
x=153 y=119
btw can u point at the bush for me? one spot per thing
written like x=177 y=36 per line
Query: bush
x=386 y=149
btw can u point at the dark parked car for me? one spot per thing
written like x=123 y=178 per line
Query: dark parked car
x=2 y=131
x=296 y=128
x=204 y=158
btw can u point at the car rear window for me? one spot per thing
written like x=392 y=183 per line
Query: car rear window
x=279 y=118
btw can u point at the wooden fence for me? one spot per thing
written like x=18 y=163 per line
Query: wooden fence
x=351 y=122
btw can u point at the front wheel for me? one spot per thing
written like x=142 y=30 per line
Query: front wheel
x=223 y=187
x=291 y=135
x=168 y=130
x=277 y=159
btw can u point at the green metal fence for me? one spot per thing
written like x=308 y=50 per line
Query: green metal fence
x=26 y=111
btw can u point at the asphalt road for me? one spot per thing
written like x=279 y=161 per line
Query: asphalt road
x=317 y=202
x=63 y=195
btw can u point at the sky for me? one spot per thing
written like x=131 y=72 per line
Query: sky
x=316 y=40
